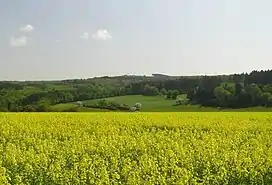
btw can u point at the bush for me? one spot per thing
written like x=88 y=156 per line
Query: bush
x=123 y=107
x=133 y=109
x=180 y=101
x=3 y=109
x=138 y=106
x=42 y=108
x=29 y=108
x=16 y=109
x=163 y=91
x=101 y=107
x=109 y=105
x=172 y=94
x=102 y=102
x=73 y=109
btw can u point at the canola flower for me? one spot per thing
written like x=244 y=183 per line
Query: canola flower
x=135 y=148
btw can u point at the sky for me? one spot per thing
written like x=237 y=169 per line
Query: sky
x=64 y=39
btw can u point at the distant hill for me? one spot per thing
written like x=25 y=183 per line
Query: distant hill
x=200 y=89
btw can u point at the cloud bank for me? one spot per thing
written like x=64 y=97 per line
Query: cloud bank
x=27 y=28
x=102 y=34
x=18 y=41
x=84 y=36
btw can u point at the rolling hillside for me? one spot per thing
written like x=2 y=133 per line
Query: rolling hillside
x=152 y=104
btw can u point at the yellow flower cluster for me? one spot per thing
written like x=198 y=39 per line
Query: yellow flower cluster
x=135 y=148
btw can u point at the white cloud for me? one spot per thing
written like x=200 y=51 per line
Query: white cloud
x=27 y=28
x=84 y=36
x=101 y=34
x=57 y=41
x=18 y=41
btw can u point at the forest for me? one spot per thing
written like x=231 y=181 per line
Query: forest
x=224 y=91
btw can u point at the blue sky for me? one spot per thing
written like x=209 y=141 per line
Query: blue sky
x=79 y=39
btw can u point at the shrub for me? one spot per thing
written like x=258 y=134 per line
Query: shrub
x=138 y=106
x=29 y=108
x=73 y=109
x=3 y=109
x=133 y=109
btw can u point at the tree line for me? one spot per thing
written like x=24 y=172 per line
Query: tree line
x=226 y=91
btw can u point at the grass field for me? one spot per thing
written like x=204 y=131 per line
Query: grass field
x=156 y=104
x=149 y=103
x=135 y=148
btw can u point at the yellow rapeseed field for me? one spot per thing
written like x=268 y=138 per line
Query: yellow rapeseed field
x=135 y=148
